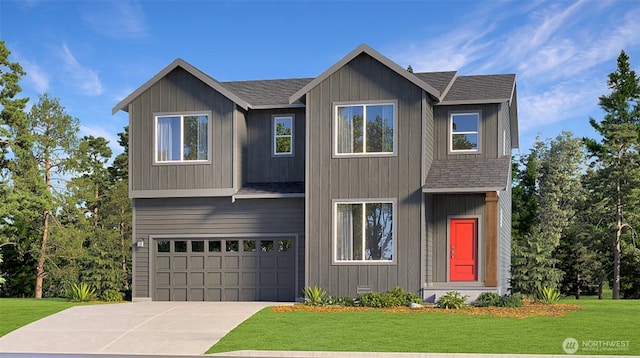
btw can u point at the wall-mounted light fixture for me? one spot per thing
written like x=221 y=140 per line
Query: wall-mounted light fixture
x=140 y=243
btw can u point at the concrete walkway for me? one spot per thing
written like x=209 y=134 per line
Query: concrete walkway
x=155 y=328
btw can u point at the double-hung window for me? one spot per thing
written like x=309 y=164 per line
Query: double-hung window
x=365 y=129
x=364 y=231
x=283 y=135
x=182 y=138
x=464 y=132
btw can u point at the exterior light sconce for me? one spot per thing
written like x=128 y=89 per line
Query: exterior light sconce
x=140 y=243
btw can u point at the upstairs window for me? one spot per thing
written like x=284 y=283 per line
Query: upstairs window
x=364 y=231
x=182 y=138
x=283 y=135
x=365 y=129
x=465 y=130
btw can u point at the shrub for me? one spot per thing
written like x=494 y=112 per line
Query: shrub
x=112 y=296
x=82 y=293
x=341 y=301
x=451 y=300
x=511 y=301
x=371 y=299
x=548 y=295
x=314 y=296
x=487 y=299
x=397 y=297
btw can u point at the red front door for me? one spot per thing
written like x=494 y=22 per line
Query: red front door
x=463 y=250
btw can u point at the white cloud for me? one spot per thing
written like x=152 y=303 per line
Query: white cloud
x=36 y=76
x=78 y=75
x=117 y=19
x=559 y=102
x=560 y=52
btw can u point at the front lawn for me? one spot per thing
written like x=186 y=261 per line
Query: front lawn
x=380 y=331
x=18 y=312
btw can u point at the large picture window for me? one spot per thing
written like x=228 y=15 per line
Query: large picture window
x=365 y=129
x=283 y=135
x=364 y=231
x=465 y=130
x=182 y=138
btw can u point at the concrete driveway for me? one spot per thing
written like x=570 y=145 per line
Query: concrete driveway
x=156 y=328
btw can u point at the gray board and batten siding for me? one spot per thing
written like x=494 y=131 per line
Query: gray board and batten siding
x=262 y=165
x=202 y=218
x=180 y=92
x=383 y=177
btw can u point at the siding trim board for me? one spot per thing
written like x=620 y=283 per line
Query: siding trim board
x=181 y=193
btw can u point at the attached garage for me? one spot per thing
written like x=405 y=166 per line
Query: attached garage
x=256 y=268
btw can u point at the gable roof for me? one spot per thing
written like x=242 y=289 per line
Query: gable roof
x=376 y=55
x=468 y=176
x=441 y=81
x=210 y=81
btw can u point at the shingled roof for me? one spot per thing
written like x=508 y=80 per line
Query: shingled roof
x=267 y=93
x=481 y=89
x=468 y=176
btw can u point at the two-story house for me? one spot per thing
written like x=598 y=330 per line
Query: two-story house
x=364 y=178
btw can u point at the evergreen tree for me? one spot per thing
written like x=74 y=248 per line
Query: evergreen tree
x=616 y=159
x=54 y=142
x=551 y=186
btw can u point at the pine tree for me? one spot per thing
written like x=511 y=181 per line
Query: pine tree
x=616 y=158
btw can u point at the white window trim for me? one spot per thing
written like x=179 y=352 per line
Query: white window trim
x=334 y=240
x=364 y=104
x=274 y=135
x=478 y=133
x=154 y=154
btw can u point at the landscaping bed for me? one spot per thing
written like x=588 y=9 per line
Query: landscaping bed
x=530 y=309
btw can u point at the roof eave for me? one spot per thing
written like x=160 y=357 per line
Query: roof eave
x=462 y=190
x=475 y=101
x=363 y=48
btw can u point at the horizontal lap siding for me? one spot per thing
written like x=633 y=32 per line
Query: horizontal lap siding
x=180 y=92
x=185 y=217
x=262 y=165
x=397 y=177
x=488 y=131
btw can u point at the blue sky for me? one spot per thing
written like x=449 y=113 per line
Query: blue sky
x=92 y=54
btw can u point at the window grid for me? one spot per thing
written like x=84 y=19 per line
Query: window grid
x=276 y=135
x=181 y=145
x=365 y=123
x=464 y=134
x=362 y=255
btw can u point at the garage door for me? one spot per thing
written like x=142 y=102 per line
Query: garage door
x=233 y=269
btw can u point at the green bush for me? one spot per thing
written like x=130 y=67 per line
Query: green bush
x=314 y=296
x=511 y=301
x=371 y=299
x=451 y=300
x=397 y=297
x=112 y=296
x=81 y=293
x=341 y=301
x=487 y=299
x=548 y=295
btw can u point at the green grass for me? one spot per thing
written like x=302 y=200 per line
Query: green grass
x=18 y=312
x=377 y=331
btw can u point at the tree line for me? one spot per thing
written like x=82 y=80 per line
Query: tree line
x=576 y=202
x=65 y=215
